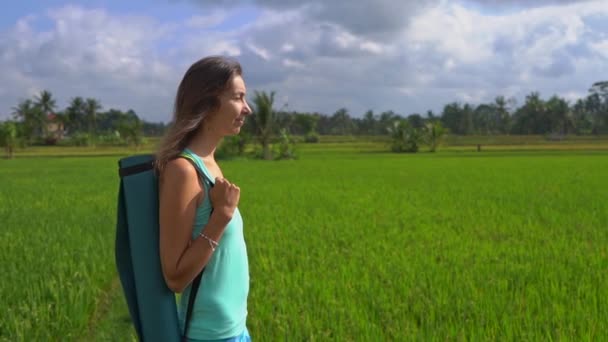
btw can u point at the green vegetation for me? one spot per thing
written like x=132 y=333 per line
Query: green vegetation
x=349 y=242
x=38 y=122
x=8 y=137
x=55 y=245
x=82 y=123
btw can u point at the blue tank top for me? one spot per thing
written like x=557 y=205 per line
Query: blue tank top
x=220 y=309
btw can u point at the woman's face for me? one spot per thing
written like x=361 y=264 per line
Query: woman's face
x=230 y=117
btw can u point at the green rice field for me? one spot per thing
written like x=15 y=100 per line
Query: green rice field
x=347 y=243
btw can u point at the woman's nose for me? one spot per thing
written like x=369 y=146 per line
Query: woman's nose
x=247 y=109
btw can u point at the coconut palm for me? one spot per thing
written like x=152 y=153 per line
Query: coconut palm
x=46 y=104
x=434 y=134
x=91 y=107
x=265 y=117
x=75 y=115
x=26 y=113
x=45 y=101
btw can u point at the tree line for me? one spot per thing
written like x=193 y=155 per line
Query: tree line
x=535 y=116
x=38 y=121
x=35 y=121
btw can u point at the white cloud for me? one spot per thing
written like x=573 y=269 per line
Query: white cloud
x=601 y=48
x=510 y=54
x=453 y=31
x=207 y=21
x=319 y=55
x=475 y=96
x=87 y=53
x=372 y=47
x=291 y=63
x=263 y=53
x=287 y=47
x=378 y=18
x=572 y=96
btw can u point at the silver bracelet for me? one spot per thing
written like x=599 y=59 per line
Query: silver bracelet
x=212 y=243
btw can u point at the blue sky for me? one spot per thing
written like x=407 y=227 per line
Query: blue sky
x=405 y=56
x=164 y=11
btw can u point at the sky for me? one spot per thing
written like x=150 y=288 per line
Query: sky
x=318 y=56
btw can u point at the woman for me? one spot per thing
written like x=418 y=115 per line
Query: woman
x=210 y=104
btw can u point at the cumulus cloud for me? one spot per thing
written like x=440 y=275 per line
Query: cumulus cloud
x=86 y=53
x=449 y=52
x=525 y=3
x=207 y=21
x=123 y=61
x=397 y=55
x=377 y=18
x=544 y=49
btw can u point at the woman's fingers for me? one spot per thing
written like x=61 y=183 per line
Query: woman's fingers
x=225 y=182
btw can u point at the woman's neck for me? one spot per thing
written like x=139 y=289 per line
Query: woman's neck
x=204 y=144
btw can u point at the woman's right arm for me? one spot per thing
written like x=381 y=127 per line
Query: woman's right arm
x=179 y=194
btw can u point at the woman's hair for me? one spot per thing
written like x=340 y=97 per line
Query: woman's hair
x=197 y=97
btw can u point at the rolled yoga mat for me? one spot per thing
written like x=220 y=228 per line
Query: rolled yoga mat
x=151 y=303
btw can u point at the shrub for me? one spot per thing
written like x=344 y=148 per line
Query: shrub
x=311 y=137
x=285 y=149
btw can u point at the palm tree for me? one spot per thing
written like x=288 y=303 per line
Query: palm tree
x=342 y=122
x=46 y=103
x=75 y=114
x=25 y=112
x=91 y=107
x=369 y=122
x=265 y=117
x=582 y=120
x=502 y=118
x=434 y=134
x=559 y=116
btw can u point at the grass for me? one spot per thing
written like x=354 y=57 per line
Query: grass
x=377 y=144
x=343 y=245
x=55 y=245
x=424 y=247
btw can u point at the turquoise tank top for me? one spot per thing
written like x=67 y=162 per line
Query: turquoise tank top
x=220 y=308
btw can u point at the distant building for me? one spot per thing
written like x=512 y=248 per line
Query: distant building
x=54 y=127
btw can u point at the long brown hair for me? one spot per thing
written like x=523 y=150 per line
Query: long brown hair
x=197 y=96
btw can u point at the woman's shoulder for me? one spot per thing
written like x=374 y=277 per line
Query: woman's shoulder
x=180 y=170
x=180 y=166
x=179 y=182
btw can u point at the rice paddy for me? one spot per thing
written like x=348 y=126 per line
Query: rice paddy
x=345 y=243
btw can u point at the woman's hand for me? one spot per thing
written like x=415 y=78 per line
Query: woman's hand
x=224 y=198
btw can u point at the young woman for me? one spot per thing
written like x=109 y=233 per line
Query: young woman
x=200 y=224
